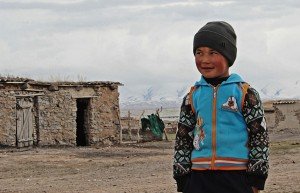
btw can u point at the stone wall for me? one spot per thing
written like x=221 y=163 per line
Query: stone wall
x=57 y=123
x=7 y=118
x=130 y=128
x=105 y=121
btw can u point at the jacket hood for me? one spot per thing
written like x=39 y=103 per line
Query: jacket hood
x=233 y=78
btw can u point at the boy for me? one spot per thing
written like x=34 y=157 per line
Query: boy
x=222 y=142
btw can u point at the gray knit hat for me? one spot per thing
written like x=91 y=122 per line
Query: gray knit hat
x=220 y=36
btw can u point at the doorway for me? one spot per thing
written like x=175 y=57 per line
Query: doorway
x=24 y=121
x=82 y=118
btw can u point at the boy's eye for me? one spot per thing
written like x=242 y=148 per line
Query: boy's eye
x=214 y=52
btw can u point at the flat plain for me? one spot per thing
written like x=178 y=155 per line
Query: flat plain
x=129 y=168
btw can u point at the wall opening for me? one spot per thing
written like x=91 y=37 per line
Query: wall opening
x=24 y=121
x=82 y=129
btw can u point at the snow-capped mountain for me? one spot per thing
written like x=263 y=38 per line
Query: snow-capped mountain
x=150 y=100
x=153 y=99
x=153 y=103
x=279 y=91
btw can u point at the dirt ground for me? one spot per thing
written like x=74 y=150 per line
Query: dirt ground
x=138 y=168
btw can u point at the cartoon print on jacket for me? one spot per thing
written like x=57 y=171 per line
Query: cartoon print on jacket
x=230 y=104
x=199 y=134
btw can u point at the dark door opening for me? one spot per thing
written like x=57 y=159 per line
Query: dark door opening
x=82 y=122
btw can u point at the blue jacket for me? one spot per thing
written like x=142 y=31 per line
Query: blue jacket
x=220 y=135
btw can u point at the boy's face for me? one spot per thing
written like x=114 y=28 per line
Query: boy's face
x=210 y=63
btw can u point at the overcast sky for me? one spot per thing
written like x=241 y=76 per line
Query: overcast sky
x=146 y=43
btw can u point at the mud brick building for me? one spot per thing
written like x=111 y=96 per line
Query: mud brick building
x=283 y=115
x=58 y=113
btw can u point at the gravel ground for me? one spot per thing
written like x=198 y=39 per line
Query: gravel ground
x=143 y=167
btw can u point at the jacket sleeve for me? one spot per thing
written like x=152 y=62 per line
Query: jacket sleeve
x=183 y=144
x=258 y=143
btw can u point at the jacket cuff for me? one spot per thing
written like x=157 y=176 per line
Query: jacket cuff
x=181 y=182
x=257 y=181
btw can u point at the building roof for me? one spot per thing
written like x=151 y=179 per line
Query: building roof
x=21 y=80
x=269 y=105
x=284 y=102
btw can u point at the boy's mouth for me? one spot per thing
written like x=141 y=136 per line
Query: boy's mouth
x=207 y=68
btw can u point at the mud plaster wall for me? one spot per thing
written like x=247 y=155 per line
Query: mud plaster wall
x=56 y=112
x=285 y=116
x=270 y=119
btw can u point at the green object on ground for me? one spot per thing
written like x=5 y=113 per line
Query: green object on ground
x=154 y=123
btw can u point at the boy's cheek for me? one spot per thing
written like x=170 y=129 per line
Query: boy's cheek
x=198 y=67
x=197 y=62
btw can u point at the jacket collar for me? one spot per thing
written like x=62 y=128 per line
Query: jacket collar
x=233 y=78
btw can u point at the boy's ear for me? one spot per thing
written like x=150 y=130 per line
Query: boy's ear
x=228 y=63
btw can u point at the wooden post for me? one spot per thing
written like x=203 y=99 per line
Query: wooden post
x=129 y=126
x=140 y=125
x=120 y=125
x=164 y=130
x=37 y=119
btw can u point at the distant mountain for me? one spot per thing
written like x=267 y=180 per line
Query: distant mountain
x=279 y=91
x=148 y=100
x=152 y=99
x=154 y=103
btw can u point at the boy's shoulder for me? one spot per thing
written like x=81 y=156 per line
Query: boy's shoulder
x=187 y=99
x=245 y=87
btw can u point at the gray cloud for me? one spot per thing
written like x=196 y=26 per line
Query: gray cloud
x=144 y=43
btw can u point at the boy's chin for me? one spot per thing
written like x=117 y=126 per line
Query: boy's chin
x=214 y=75
x=209 y=76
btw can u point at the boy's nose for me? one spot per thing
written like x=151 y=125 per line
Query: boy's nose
x=205 y=59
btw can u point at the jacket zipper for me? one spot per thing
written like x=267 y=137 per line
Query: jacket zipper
x=214 y=127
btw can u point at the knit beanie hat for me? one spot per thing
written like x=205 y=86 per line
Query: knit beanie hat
x=219 y=36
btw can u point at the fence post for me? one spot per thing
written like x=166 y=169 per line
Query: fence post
x=129 y=125
x=140 y=126
x=121 y=128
